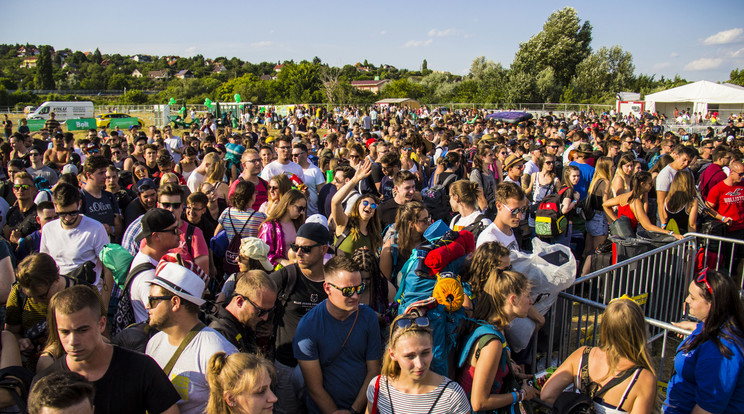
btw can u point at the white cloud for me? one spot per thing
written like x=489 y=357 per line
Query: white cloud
x=383 y=32
x=674 y=55
x=738 y=53
x=661 y=65
x=263 y=43
x=442 y=33
x=724 y=37
x=704 y=64
x=418 y=43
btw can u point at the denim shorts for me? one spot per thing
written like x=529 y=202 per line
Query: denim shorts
x=597 y=226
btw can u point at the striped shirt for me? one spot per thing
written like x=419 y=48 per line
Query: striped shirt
x=239 y=219
x=452 y=401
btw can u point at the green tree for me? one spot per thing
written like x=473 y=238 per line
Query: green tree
x=737 y=77
x=603 y=74
x=118 y=81
x=96 y=57
x=403 y=88
x=424 y=65
x=44 y=70
x=563 y=43
x=134 y=97
x=300 y=82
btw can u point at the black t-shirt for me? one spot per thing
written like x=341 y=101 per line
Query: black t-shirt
x=133 y=383
x=206 y=225
x=376 y=172
x=306 y=295
x=102 y=209
x=387 y=210
x=134 y=210
x=23 y=222
x=324 y=199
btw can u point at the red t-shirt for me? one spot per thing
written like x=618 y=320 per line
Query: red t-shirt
x=262 y=192
x=730 y=202
x=198 y=244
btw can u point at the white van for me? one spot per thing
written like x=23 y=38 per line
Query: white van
x=63 y=110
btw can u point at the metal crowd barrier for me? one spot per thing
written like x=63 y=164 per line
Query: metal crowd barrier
x=657 y=280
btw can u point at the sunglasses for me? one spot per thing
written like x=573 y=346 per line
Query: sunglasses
x=349 y=291
x=424 y=221
x=517 y=211
x=403 y=323
x=301 y=208
x=174 y=230
x=171 y=205
x=366 y=203
x=549 y=162
x=153 y=300
x=271 y=188
x=261 y=311
x=21 y=187
x=68 y=213
x=703 y=278
x=303 y=249
x=407 y=149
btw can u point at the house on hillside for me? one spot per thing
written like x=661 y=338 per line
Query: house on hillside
x=29 y=62
x=27 y=51
x=70 y=66
x=267 y=77
x=158 y=74
x=373 y=86
x=184 y=74
x=105 y=62
x=278 y=68
x=142 y=58
x=361 y=68
x=136 y=73
x=219 y=68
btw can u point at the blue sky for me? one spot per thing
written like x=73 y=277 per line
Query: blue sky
x=697 y=40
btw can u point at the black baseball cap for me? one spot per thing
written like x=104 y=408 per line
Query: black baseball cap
x=155 y=220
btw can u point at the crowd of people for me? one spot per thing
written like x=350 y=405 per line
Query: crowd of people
x=233 y=270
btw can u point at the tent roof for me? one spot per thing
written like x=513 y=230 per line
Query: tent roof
x=701 y=91
x=395 y=100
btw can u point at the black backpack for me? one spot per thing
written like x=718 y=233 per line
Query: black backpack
x=124 y=315
x=476 y=227
x=436 y=199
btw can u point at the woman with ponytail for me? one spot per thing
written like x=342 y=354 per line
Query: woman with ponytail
x=406 y=384
x=240 y=384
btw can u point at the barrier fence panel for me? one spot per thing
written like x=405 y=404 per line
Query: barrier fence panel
x=657 y=280
x=721 y=253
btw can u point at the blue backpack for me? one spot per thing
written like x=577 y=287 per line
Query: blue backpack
x=415 y=292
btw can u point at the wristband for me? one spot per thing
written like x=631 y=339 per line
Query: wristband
x=514 y=397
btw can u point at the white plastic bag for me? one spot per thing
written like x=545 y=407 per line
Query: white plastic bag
x=548 y=277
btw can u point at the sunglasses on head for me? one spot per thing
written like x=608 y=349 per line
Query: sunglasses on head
x=703 y=278
x=304 y=249
x=403 y=323
x=349 y=291
x=371 y=205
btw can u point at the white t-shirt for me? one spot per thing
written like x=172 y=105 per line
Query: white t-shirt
x=530 y=168
x=71 y=248
x=195 y=181
x=665 y=177
x=276 y=168
x=463 y=222
x=493 y=233
x=140 y=289
x=313 y=178
x=174 y=143
x=189 y=372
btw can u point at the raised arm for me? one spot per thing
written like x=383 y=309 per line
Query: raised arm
x=337 y=210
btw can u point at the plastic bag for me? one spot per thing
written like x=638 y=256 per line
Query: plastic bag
x=550 y=268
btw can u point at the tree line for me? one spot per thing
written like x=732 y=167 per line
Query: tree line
x=555 y=65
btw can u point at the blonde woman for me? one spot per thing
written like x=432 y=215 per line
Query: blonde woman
x=623 y=359
x=599 y=191
x=277 y=187
x=406 y=383
x=215 y=188
x=240 y=384
x=681 y=204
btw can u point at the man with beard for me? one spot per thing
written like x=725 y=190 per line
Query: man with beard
x=184 y=345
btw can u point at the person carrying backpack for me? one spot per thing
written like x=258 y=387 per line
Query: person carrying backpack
x=402 y=237
x=464 y=201
x=486 y=371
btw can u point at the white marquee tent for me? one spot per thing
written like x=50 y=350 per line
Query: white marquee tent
x=701 y=96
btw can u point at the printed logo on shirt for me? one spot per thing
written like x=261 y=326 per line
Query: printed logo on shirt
x=181 y=384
